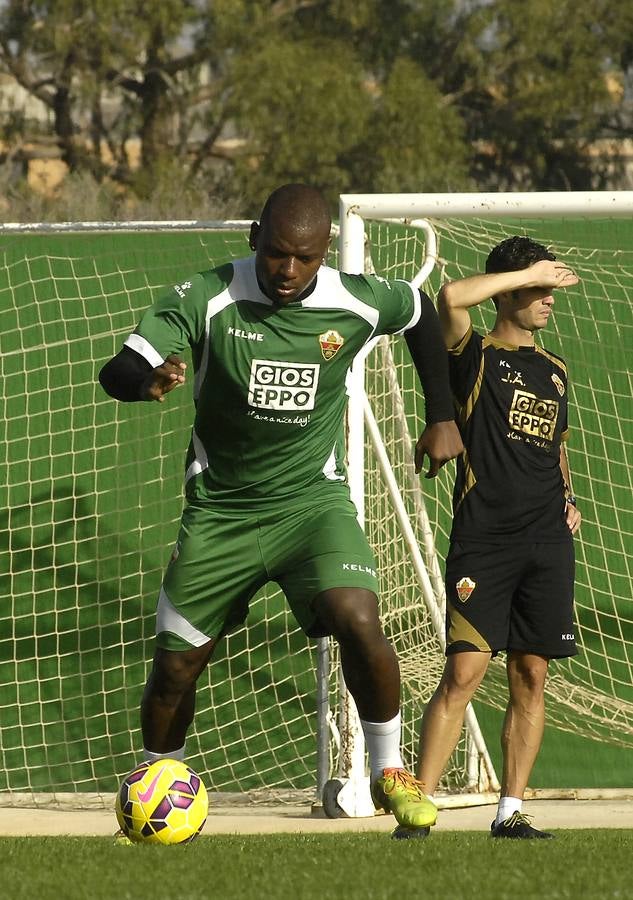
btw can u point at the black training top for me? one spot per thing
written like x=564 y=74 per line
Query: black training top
x=512 y=414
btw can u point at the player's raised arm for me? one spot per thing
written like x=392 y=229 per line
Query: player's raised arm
x=457 y=297
x=440 y=440
x=129 y=377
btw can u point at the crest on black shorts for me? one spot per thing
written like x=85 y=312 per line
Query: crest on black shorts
x=465 y=587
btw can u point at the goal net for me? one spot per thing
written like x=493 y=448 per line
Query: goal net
x=91 y=497
x=92 y=493
x=590 y=695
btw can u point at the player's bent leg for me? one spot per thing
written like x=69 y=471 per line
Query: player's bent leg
x=444 y=715
x=369 y=663
x=168 y=704
x=372 y=675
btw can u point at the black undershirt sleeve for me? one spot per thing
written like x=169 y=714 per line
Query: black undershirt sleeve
x=124 y=374
x=430 y=359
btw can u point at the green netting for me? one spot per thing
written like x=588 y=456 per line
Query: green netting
x=590 y=696
x=91 y=493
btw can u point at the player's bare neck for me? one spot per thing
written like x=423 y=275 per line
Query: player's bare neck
x=510 y=333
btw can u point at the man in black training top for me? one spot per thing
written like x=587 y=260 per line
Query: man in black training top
x=273 y=337
x=510 y=565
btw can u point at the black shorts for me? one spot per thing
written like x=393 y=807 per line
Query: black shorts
x=511 y=597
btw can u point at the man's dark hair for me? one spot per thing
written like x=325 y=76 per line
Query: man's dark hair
x=513 y=254
x=516 y=253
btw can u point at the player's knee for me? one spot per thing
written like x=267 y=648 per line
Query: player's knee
x=460 y=687
x=463 y=676
x=351 y=615
x=176 y=673
x=528 y=673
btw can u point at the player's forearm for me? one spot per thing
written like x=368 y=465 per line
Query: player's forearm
x=564 y=468
x=123 y=376
x=430 y=359
x=573 y=516
x=468 y=292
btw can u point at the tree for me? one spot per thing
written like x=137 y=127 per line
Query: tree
x=531 y=82
x=300 y=106
x=415 y=140
x=79 y=58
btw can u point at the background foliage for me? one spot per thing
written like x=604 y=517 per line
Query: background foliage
x=224 y=99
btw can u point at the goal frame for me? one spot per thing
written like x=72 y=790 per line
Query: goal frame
x=352 y=794
x=355 y=210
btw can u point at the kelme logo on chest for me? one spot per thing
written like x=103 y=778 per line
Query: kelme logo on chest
x=282 y=385
x=330 y=343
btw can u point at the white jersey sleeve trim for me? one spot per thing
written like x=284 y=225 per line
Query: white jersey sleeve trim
x=201 y=461
x=169 y=619
x=144 y=348
x=417 y=308
x=329 y=469
x=330 y=294
x=214 y=306
x=243 y=286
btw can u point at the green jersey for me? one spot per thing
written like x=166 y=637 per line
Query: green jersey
x=270 y=382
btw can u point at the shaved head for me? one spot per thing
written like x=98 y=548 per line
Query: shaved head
x=299 y=207
x=290 y=242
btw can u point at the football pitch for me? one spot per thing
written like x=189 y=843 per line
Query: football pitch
x=449 y=865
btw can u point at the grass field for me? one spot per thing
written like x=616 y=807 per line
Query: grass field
x=448 y=866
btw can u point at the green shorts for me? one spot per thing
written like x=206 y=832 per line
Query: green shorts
x=220 y=561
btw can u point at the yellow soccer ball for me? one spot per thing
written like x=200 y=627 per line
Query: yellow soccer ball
x=163 y=802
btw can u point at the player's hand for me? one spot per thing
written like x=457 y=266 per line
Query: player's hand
x=164 y=378
x=550 y=273
x=572 y=517
x=440 y=442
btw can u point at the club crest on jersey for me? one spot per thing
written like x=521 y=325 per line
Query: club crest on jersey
x=330 y=343
x=465 y=587
x=558 y=384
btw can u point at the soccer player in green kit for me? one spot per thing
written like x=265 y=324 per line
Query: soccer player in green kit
x=510 y=565
x=273 y=337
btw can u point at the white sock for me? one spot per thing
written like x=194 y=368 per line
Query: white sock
x=507 y=806
x=150 y=756
x=383 y=745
